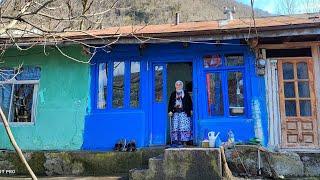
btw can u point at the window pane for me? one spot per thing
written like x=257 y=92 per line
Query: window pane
x=287 y=71
x=118 y=84
x=289 y=90
x=5 y=98
x=158 y=73
x=29 y=73
x=134 y=84
x=302 y=71
x=235 y=93
x=234 y=60
x=290 y=106
x=22 y=102
x=303 y=88
x=212 y=61
x=6 y=74
x=102 y=85
x=305 y=108
x=214 y=92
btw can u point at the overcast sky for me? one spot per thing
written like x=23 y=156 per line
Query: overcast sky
x=271 y=5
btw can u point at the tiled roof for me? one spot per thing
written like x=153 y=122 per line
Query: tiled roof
x=213 y=26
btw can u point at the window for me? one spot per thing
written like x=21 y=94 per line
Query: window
x=296 y=86
x=158 y=83
x=120 y=86
x=18 y=93
x=134 y=84
x=102 y=89
x=225 y=84
x=212 y=61
x=215 y=96
x=235 y=93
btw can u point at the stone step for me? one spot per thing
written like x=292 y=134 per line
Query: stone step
x=138 y=174
x=156 y=163
x=192 y=163
x=183 y=163
x=156 y=168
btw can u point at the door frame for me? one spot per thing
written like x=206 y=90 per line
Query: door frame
x=164 y=61
x=313 y=96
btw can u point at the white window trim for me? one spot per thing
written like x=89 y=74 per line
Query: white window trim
x=34 y=100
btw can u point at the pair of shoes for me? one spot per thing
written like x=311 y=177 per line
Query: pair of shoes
x=131 y=146
x=122 y=145
x=118 y=146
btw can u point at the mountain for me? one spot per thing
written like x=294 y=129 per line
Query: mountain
x=96 y=14
x=163 y=11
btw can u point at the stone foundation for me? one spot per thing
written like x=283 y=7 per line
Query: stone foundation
x=243 y=161
x=153 y=163
x=78 y=163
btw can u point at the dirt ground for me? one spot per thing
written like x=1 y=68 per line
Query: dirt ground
x=66 y=178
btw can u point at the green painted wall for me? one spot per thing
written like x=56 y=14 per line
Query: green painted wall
x=62 y=100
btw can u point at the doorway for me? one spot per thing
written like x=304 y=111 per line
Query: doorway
x=297 y=103
x=164 y=76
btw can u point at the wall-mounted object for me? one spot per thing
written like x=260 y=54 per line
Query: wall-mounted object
x=260 y=66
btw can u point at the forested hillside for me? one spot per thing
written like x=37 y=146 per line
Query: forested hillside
x=163 y=11
x=96 y=14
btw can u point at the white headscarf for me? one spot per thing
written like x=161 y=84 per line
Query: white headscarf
x=179 y=94
x=181 y=87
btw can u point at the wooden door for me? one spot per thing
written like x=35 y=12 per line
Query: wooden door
x=297 y=103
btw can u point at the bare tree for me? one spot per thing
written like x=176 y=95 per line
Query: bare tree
x=298 y=6
x=44 y=18
x=310 y=6
x=287 y=7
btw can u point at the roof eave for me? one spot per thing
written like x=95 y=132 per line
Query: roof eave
x=186 y=36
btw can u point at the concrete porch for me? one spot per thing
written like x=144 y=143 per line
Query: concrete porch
x=160 y=163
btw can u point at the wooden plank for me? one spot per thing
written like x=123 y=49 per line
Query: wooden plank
x=290 y=45
x=316 y=59
x=313 y=102
x=276 y=108
x=282 y=106
x=273 y=103
x=269 y=103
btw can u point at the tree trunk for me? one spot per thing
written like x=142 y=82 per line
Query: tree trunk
x=15 y=145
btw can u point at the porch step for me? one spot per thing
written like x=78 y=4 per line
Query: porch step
x=138 y=174
x=156 y=167
x=182 y=163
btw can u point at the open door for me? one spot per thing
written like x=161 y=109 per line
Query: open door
x=159 y=104
x=297 y=103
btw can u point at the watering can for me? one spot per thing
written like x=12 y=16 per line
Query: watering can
x=212 y=138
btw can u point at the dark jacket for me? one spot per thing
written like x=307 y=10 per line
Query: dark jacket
x=186 y=103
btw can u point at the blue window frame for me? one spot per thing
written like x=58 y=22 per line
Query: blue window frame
x=118 y=84
x=225 y=85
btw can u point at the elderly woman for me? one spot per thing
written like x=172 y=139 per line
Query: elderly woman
x=180 y=110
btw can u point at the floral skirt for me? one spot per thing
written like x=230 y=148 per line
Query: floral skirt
x=181 y=127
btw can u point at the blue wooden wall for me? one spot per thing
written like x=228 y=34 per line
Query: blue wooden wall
x=103 y=128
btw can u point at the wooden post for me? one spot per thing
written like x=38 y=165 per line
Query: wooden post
x=15 y=145
x=316 y=59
